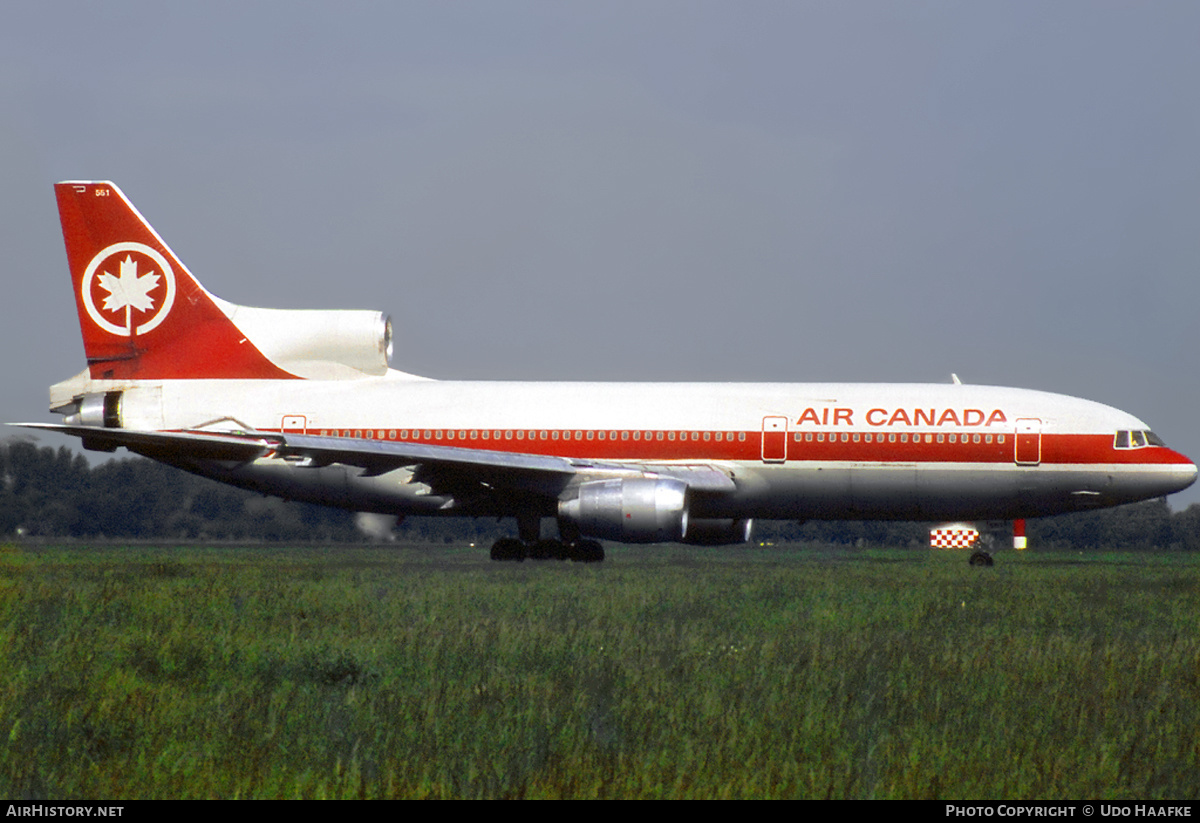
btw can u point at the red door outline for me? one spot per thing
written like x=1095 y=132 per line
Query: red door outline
x=774 y=439
x=293 y=424
x=1028 y=442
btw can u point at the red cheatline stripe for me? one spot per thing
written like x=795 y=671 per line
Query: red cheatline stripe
x=1057 y=449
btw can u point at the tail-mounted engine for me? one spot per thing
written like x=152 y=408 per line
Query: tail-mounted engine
x=318 y=343
x=101 y=410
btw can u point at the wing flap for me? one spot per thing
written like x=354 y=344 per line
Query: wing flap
x=377 y=457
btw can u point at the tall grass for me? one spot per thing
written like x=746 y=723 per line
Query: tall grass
x=663 y=673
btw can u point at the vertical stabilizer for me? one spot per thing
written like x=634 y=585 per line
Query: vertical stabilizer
x=142 y=314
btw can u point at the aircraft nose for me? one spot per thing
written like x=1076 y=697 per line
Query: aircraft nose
x=1186 y=474
x=1182 y=474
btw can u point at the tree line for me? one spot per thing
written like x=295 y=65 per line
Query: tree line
x=57 y=493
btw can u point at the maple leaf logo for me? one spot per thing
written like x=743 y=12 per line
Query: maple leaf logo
x=146 y=296
x=129 y=291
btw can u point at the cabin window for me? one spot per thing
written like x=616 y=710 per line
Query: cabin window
x=941 y=438
x=855 y=437
x=624 y=435
x=741 y=435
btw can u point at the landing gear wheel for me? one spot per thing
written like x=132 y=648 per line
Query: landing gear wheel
x=506 y=548
x=587 y=551
x=981 y=558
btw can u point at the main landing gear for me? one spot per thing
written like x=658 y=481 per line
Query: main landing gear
x=531 y=545
x=581 y=551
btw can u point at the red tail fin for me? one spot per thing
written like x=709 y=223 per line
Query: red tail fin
x=143 y=315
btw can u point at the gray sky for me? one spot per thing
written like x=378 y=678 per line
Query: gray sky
x=641 y=190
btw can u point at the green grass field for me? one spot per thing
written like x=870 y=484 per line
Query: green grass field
x=664 y=672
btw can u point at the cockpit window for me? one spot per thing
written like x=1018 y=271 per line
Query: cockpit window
x=1137 y=439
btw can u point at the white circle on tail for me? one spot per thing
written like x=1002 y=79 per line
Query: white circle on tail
x=141 y=281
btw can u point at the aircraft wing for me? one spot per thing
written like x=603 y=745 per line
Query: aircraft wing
x=433 y=463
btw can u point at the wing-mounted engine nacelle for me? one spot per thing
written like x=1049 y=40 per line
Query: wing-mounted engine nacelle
x=637 y=510
x=718 y=531
x=318 y=343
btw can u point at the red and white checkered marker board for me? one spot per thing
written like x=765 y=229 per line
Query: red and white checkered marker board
x=953 y=538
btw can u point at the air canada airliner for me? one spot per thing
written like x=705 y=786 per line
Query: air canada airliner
x=302 y=404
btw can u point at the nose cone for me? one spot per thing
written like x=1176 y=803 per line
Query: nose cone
x=1180 y=473
x=1186 y=475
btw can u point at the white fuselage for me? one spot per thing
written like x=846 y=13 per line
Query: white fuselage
x=824 y=450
